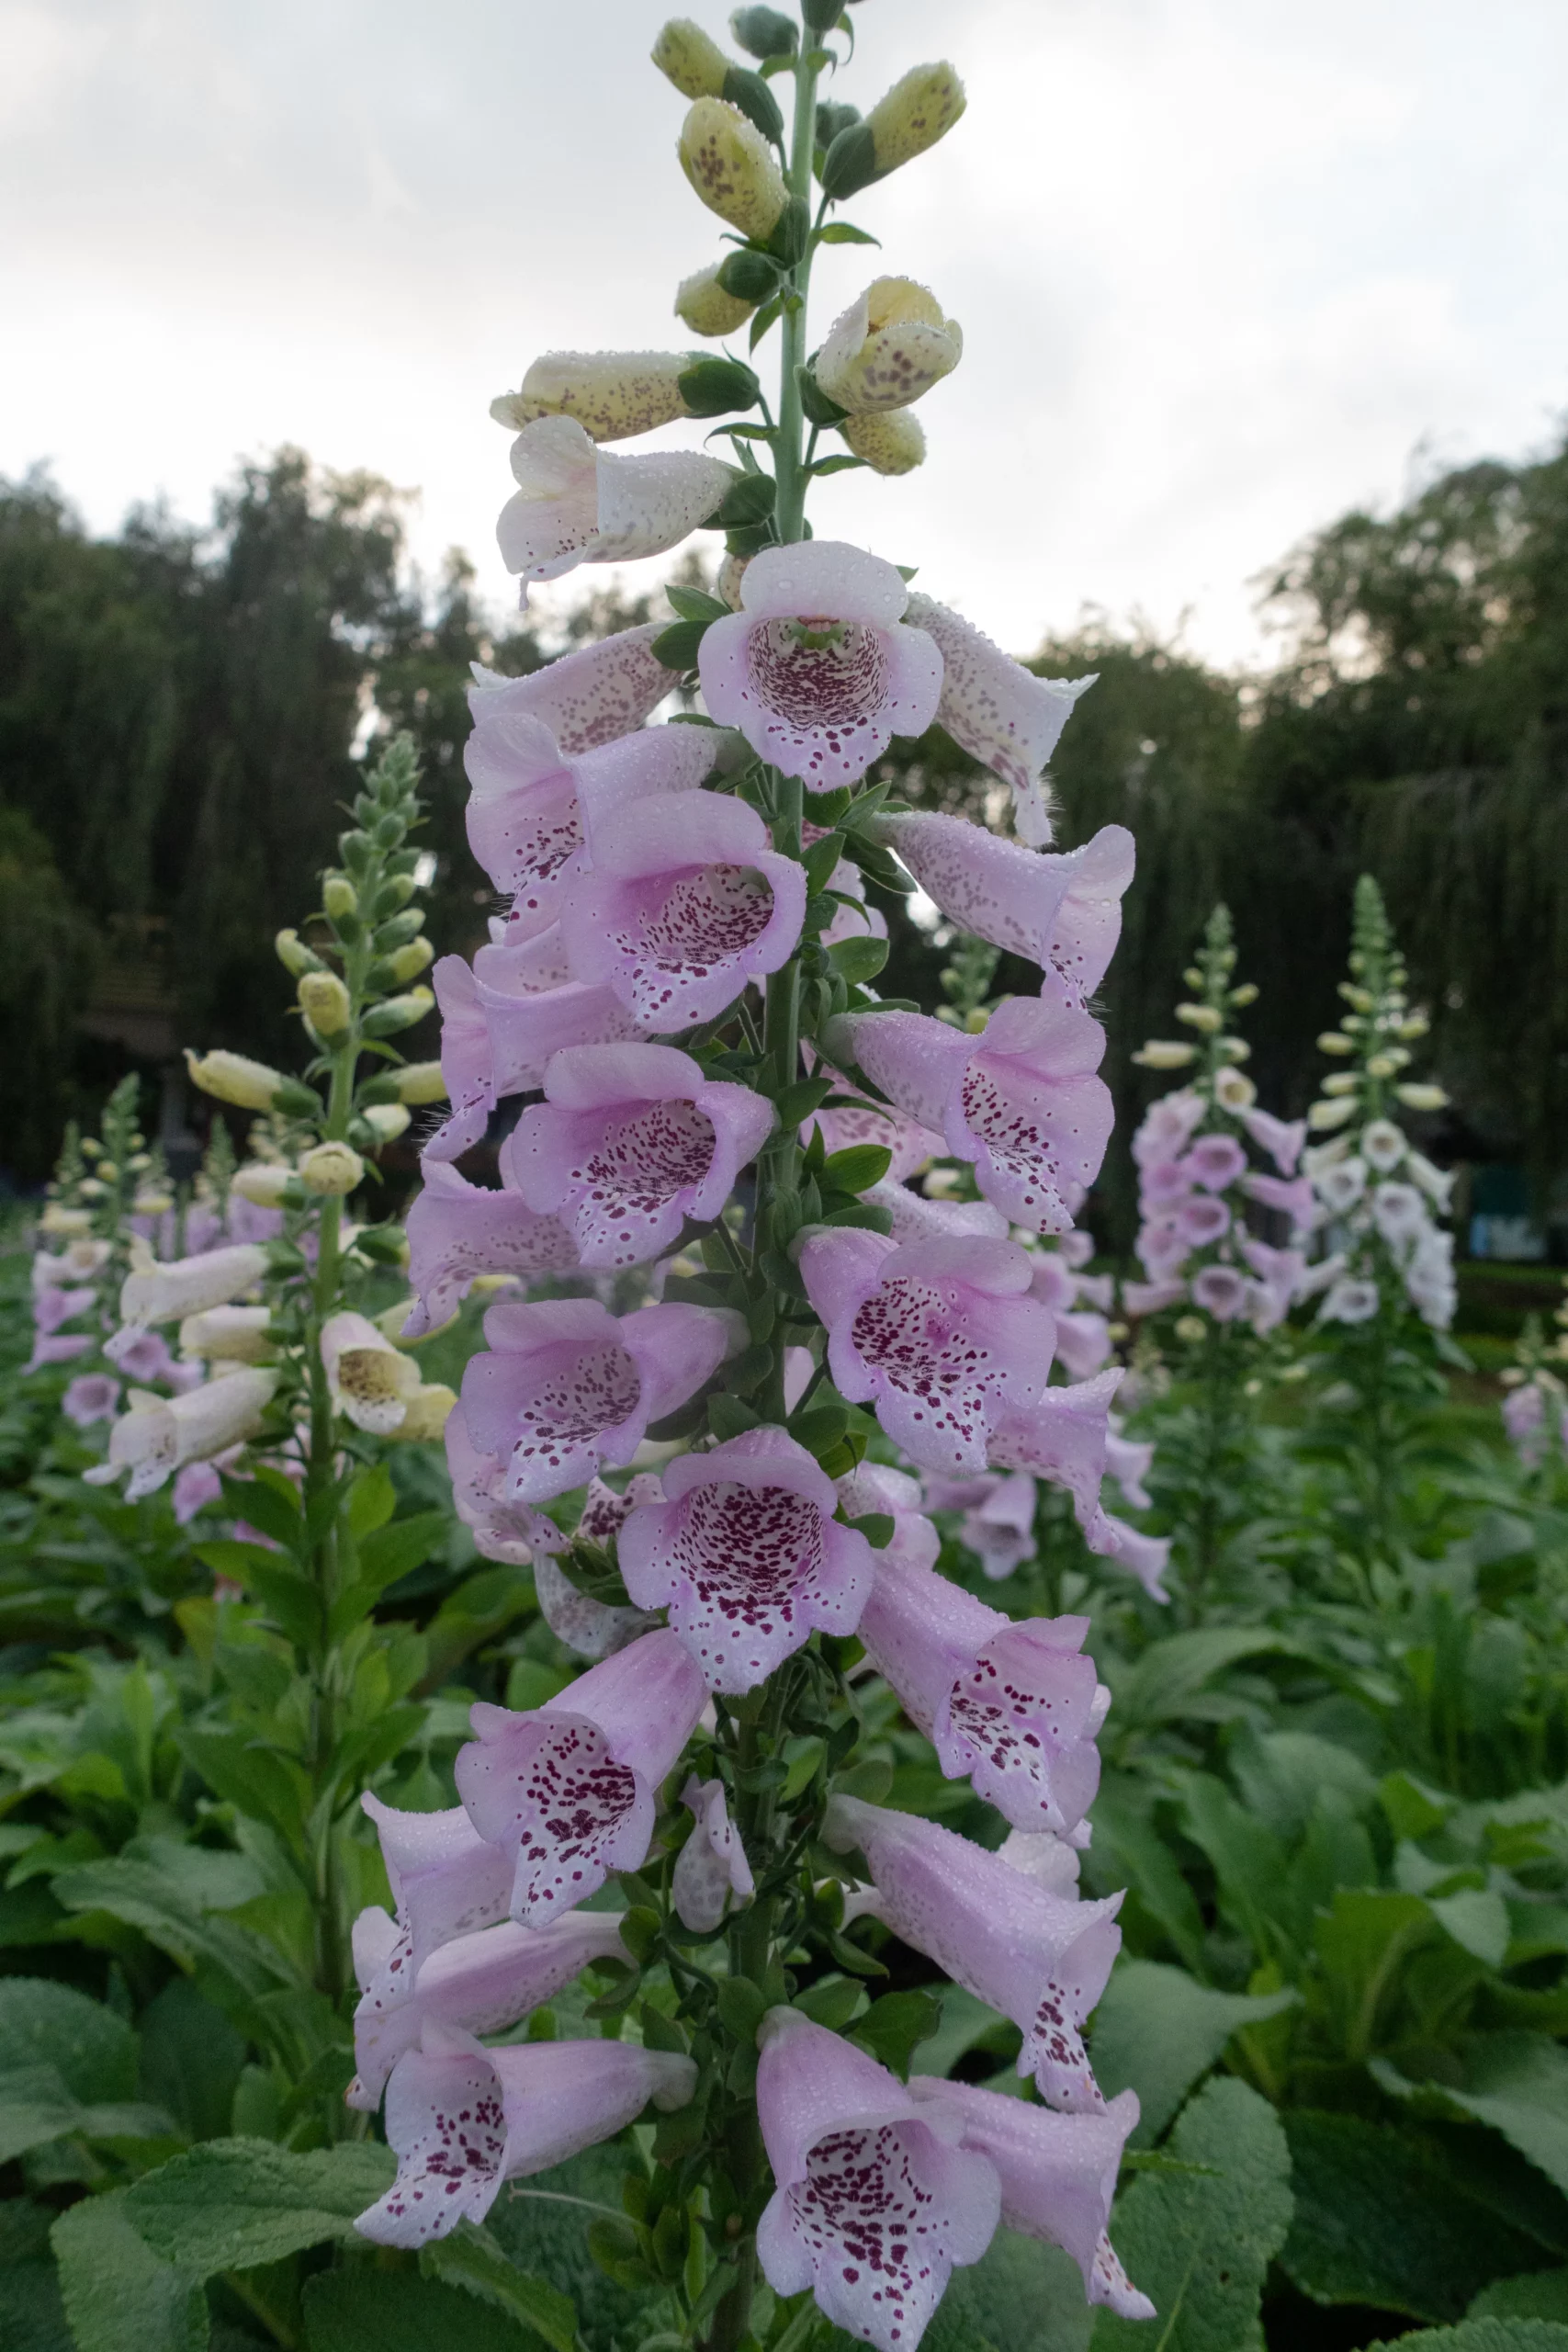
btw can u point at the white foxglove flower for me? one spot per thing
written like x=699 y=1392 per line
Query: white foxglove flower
x=577 y=504
x=160 y=1434
x=372 y=1383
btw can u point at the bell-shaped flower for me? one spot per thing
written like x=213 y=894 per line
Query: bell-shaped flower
x=228 y=1335
x=577 y=504
x=1213 y=1162
x=731 y=167
x=874 y=2205
x=1014 y=1707
x=1063 y=1440
x=1084 y=1345
x=1349 y=1300
x=371 y=1380
x=874 y=1489
x=686 y=902
x=1279 y=1274
x=1021 y=1100
x=1167 y=1126
x=1057 y=2174
x=77 y=1262
x=53 y=1310
x=1201 y=1221
x=567 y=1388
x=458 y=1231
x=918 y=1217
x=167 y=1292
x=585 y=699
x=1062 y=910
x=502 y=1529
x=593 y=1628
x=478 y=1984
x=91 y=1396
x=710 y=1866
x=691 y=59
x=614 y=395
x=528 y=829
x=1144 y=1556
x=891 y=441
x=1290 y=1195
x=467 y=1068
x=533 y=1008
x=1000 y=713
x=889 y=346
x=447 y=1882
x=1128 y=1460
x=1043 y=1959
x=160 y=1434
x=939 y=1337
x=747 y=1556
x=997 y=1525
x=1222 y=1292
x=630 y=1142
x=920 y=108
x=1383 y=1144
x=1281 y=1138
x=1341 y=1185
x=568 y=1791
x=462 y=2118
x=820 y=669
x=56 y=1347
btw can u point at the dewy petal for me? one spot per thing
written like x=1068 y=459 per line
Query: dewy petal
x=1000 y=712
x=1063 y=1440
x=465 y=1063
x=447 y=2125
x=576 y=503
x=916 y=1219
x=457 y=1230
x=585 y=699
x=563 y=2097
x=1029 y=1110
x=712 y=1865
x=446 y=1879
x=917 y=1062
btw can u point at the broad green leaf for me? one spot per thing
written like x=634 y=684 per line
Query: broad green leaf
x=1128 y=1850
x=230 y=2204
x=43 y=2024
x=472 y=2258
x=1362 y=1944
x=358 y=2309
x=1020 y=2296
x=118 y=2295
x=191 y=2058
x=398 y=1549
x=858 y=1166
x=33 y=2315
x=859 y=959
x=1534 y=2295
x=1483 y=2336
x=1171 y=1673
x=1199 y=2244
x=35 y=2108
x=543 y=2225
x=1516 y=2082
x=1156 y=2030
x=265 y=1786
x=1249 y=1861
x=270 y=1502
x=966 y=2024
x=894 y=2026
x=371 y=1501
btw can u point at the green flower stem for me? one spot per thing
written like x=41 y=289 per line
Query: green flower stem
x=791 y=469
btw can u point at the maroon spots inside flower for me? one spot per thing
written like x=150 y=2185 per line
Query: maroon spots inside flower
x=598 y=1390
x=571 y=1800
x=750 y=1555
x=1021 y=1137
x=917 y=1338
x=452 y=2167
x=1056 y=2047
x=818 y=672
x=873 y=2226
x=633 y=1175
x=699 y=928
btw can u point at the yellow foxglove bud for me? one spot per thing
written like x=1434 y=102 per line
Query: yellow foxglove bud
x=1381 y=1066
x=421 y=1082
x=613 y=394
x=1190 y=1330
x=262 y=1183
x=293 y=954
x=1334 y=1041
x=229 y=1334
x=389 y=1120
x=108 y=1172
x=1324 y=1115
x=330 y=1169
x=1422 y=1098
x=395 y=1013
x=732 y=167
x=1416 y=1026
x=1340 y=1081
x=702 y=304
x=685 y=55
x=339 y=896
x=1165 y=1053
x=1236 y=1049
x=1245 y=994
x=888 y=349
x=1362 y=998
x=1205 y=1017
x=426 y=1414
x=891 y=441
x=410 y=961
x=915 y=114
x=234 y=1077
x=61 y=1222
x=324 y=1001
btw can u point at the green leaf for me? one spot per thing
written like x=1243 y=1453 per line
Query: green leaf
x=230 y=2204
x=370 y=1503
x=396 y=1550
x=676 y=646
x=118 y=2296
x=878 y=1527
x=262 y=1502
x=1483 y=2336
x=850 y=163
x=1535 y=2294
x=857 y=1167
x=1156 y=2030
x=741 y=2007
x=858 y=960
x=265 y=1786
x=841 y=464
x=844 y=232
x=1199 y=2244
x=730 y=1415
x=799 y=1102
x=1516 y=2082
x=358 y=2308
x=1020 y=2297
x=191 y=2058
x=44 y=2024
x=832 y=2001
x=750 y=499
x=1380 y=2220
x=289 y=1597
x=35 y=2108
x=695 y=604
x=1170 y=1673
x=472 y=2258
x=966 y=2024
x=33 y=2316
x=894 y=2026
x=714 y=387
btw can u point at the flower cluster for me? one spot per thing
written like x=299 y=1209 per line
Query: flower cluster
x=1535 y=1408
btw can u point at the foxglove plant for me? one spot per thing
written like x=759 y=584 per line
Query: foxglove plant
x=1535 y=1408
x=719 y=1100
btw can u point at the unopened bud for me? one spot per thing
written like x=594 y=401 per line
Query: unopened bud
x=685 y=55
x=890 y=441
x=426 y=1414
x=1421 y=1097
x=1245 y=994
x=915 y=114
x=613 y=394
x=1236 y=1049
x=61 y=1222
x=702 y=304
x=1190 y=1330
x=1334 y=1041
x=1205 y=1017
x=234 y=1077
x=887 y=348
x=1165 y=1053
x=386 y=1121
x=339 y=896
x=1324 y=1115
x=397 y=1013
x=1385 y=1065
x=331 y=1170
x=293 y=955
x=1341 y=1081
x=421 y=1082
x=732 y=167
x=325 y=1003
x=731 y=572
x=410 y=961
x=264 y=1184
x=1234 y=1089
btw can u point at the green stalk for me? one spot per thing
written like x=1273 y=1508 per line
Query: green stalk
x=790 y=463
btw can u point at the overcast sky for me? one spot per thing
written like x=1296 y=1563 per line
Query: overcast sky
x=1223 y=267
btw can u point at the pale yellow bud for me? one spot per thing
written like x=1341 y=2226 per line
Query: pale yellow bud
x=1324 y=1115
x=425 y=1415
x=685 y=55
x=262 y=1185
x=1416 y=1026
x=153 y=1204
x=409 y=961
x=330 y=1169
x=702 y=304
x=1165 y=1053
x=613 y=394
x=108 y=1172
x=389 y=1120
x=1191 y=1329
x=395 y=1013
x=1362 y=998
x=229 y=1334
x=421 y=1082
x=56 y=1220
x=915 y=114
x=1245 y=994
x=234 y=1078
x=732 y=169
x=293 y=954
x=325 y=1003
x=1204 y=1017
x=1421 y=1098
x=888 y=349
x=1381 y=1066
x=1236 y=1049
x=1340 y=1081
x=339 y=896
x=731 y=572
x=890 y=441
x=1334 y=1041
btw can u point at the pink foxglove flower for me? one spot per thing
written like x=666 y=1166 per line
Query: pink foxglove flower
x=1281 y=1138
x=1128 y=1460
x=568 y=1791
x=710 y=1866
x=577 y=504
x=585 y=699
x=872 y=1489
x=1215 y=1161
x=1292 y=1196
x=1065 y=1441
x=917 y=1219
x=593 y=1628
x=1348 y=1301
x=1202 y=1220
x=1000 y=712
x=1279 y=1277
x=818 y=669
x=1014 y=1708
x=874 y=2207
x=686 y=902
x=1167 y=1126
x=52 y=1308
x=1043 y=1959
x=998 y=1516
x=502 y=1530
x=458 y=1230
x=477 y=1984
x=630 y=1142
x=91 y=1397
x=533 y=1008
x=466 y=1064
x=1057 y=2174
x=1084 y=1345
x=1144 y=1556
x=1064 y=912
x=1021 y=1100
x=160 y=1434
x=198 y=1483
x=56 y=1347
x=446 y=1881
x=567 y=1388
x=1150 y=1298
x=939 y=1337
x=1222 y=1292
x=527 y=831
x=745 y=1553
x=462 y=2118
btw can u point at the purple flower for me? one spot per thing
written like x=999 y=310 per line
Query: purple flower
x=1063 y=912
x=141 y=1354
x=457 y=1230
x=1274 y=1293
x=91 y=1397
x=1222 y=1292
x=52 y=1308
x=1057 y=2174
x=1201 y=1221
x=1013 y=1707
x=872 y=1487
x=1143 y=1556
x=712 y=1865
x=1151 y=1298
x=818 y=669
x=462 y=2118
x=502 y=1530
x=630 y=1142
x=447 y=1882
x=198 y=1483
x=585 y=699
x=1000 y=713
x=1083 y=1344
x=567 y=1388
x=998 y=1516
x=1293 y=1198
x=917 y=1219
x=577 y=503
x=1128 y=1460
x=1167 y=1126
x=1213 y=1162
x=745 y=1553
x=477 y=1984
x=466 y=1061
x=939 y=1337
x=59 y=1348
x=1021 y=1100
x=533 y=1008
x=1161 y=1184
x=873 y=2207
x=567 y=1791
x=1163 y=1250
x=1281 y=1139
x=684 y=903
x=593 y=1628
